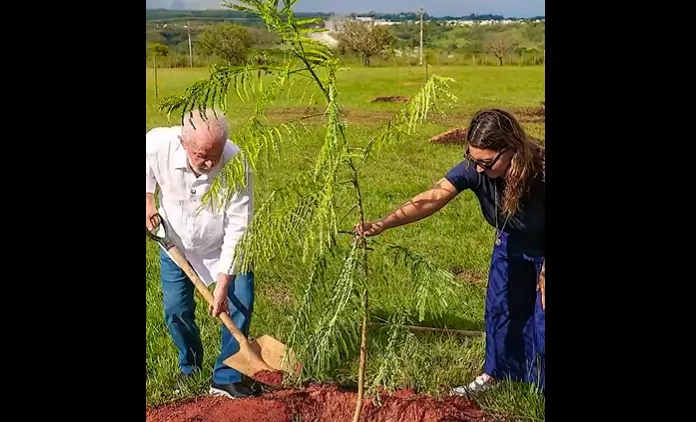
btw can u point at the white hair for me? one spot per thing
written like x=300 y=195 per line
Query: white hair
x=215 y=121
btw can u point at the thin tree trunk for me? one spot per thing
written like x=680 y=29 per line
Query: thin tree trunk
x=363 y=335
x=363 y=360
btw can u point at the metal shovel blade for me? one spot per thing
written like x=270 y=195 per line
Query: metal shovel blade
x=271 y=351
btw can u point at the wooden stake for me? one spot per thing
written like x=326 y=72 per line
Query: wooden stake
x=363 y=360
x=154 y=62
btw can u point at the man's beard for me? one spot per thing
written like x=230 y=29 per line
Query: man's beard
x=200 y=170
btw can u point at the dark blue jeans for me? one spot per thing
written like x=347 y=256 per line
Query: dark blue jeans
x=515 y=322
x=179 y=314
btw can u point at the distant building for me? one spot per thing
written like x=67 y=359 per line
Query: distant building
x=372 y=20
x=471 y=22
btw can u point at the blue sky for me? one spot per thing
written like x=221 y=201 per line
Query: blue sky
x=508 y=8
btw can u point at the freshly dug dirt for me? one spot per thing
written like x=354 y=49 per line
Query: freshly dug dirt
x=318 y=404
x=272 y=378
x=457 y=136
x=453 y=136
x=531 y=114
x=472 y=277
x=390 y=100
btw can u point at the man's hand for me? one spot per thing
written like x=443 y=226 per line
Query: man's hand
x=541 y=285
x=150 y=223
x=220 y=295
x=150 y=211
x=369 y=228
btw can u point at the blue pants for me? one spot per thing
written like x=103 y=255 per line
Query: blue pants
x=515 y=322
x=179 y=314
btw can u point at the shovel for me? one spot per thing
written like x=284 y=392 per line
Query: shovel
x=263 y=354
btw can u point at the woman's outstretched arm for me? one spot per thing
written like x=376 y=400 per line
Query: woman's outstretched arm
x=420 y=206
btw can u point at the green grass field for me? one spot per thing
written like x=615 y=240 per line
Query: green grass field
x=456 y=238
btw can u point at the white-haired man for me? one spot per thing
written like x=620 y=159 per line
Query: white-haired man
x=183 y=161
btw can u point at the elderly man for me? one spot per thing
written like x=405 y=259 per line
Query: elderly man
x=183 y=161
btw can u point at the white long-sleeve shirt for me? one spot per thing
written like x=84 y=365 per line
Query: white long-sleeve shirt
x=207 y=239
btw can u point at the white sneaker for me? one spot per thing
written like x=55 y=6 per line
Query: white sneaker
x=481 y=383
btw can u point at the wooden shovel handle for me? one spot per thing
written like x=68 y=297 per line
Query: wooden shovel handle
x=183 y=263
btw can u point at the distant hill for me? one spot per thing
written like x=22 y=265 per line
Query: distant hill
x=466 y=41
x=225 y=14
x=162 y=15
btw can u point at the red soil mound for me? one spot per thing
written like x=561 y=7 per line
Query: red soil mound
x=452 y=136
x=457 y=136
x=531 y=114
x=315 y=404
x=394 y=99
x=272 y=378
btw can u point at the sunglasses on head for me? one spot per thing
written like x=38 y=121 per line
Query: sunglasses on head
x=486 y=164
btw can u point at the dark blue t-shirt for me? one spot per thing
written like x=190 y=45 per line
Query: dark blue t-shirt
x=525 y=228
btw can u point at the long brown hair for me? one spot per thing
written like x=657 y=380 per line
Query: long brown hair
x=496 y=129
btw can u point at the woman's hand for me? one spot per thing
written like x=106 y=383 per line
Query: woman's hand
x=541 y=285
x=370 y=228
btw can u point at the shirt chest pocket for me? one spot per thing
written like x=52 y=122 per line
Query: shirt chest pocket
x=209 y=227
x=177 y=188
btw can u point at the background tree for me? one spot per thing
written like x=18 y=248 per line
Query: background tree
x=452 y=48
x=228 y=41
x=500 y=46
x=365 y=38
x=262 y=37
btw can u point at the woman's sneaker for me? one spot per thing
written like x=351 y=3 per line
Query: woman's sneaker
x=481 y=383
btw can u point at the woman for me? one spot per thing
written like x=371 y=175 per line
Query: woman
x=505 y=171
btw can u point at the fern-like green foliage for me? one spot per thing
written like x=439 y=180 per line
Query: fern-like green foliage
x=413 y=113
x=431 y=284
x=387 y=373
x=301 y=214
x=326 y=324
x=304 y=213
